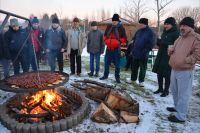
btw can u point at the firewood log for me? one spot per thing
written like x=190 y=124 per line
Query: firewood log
x=129 y=117
x=104 y=115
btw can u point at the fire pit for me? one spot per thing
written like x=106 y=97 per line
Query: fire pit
x=44 y=111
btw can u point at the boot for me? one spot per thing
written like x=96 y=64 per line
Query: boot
x=164 y=94
x=90 y=74
x=158 y=91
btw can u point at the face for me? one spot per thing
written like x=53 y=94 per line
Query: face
x=15 y=28
x=94 y=27
x=167 y=26
x=76 y=24
x=55 y=25
x=184 y=29
x=35 y=25
x=141 y=26
x=115 y=22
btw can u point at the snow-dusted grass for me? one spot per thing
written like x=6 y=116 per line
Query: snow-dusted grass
x=153 y=114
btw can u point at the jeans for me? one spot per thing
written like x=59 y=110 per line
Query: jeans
x=95 y=57
x=51 y=57
x=112 y=56
x=6 y=66
x=34 y=61
x=20 y=60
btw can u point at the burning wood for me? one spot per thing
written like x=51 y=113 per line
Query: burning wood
x=47 y=104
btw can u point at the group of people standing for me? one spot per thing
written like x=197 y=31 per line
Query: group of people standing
x=178 y=51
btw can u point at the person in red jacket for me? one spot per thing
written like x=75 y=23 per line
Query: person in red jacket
x=114 y=38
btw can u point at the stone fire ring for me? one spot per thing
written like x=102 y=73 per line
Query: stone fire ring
x=48 y=127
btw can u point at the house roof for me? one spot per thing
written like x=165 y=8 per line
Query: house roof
x=109 y=21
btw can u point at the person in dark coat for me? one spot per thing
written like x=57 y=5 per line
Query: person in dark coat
x=95 y=47
x=19 y=43
x=114 y=37
x=161 y=65
x=4 y=56
x=56 y=42
x=143 y=42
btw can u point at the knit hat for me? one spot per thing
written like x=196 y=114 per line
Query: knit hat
x=187 y=21
x=143 y=21
x=76 y=20
x=14 y=22
x=34 y=20
x=55 y=20
x=115 y=17
x=93 y=23
x=170 y=20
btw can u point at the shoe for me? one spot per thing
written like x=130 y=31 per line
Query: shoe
x=171 y=109
x=72 y=73
x=118 y=81
x=141 y=84
x=103 y=78
x=90 y=74
x=164 y=94
x=129 y=81
x=158 y=91
x=79 y=74
x=96 y=75
x=173 y=118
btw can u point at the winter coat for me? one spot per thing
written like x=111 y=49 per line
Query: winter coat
x=186 y=52
x=143 y=42
x=115 y=36
x=4 y=50
x=95 y=43
x=18 y=41
x=161 y=65
x=82 y=40
x=55 y=39
x=37 y=38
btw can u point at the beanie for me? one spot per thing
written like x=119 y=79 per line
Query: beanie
x=34 y=20
x=187 y=21
x=93 y=23
x=143 y=21
x=115 y=17
x=55 y=20
x=170 y=20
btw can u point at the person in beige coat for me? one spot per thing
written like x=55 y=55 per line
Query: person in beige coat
x=76 y=43
x=183 y=56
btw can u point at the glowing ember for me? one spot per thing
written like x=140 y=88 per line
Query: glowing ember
x=41 y=102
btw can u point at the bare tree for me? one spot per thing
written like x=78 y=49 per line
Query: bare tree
x=45 y=21
x=108 y=14
x=60 y=12
x=103 y=14
x=180 y=13
x=134 y=9
x=160 y=6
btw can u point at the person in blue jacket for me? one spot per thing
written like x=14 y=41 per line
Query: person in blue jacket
x=19 y=43
x=143 y=42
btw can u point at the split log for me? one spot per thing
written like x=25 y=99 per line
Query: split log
x=117 y=101
x=96 y=83
x=129 y=117
x=50 y=111
x=134 y=109
x=96 y=93
x=104 y=115
x=78 y=86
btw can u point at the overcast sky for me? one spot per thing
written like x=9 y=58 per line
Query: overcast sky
x=80 y=8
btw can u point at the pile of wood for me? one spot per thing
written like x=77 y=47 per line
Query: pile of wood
x=114 y=105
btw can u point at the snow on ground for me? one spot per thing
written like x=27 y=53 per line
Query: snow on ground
x=153 y=114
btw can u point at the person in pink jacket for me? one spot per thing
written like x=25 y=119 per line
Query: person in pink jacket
x=183 y=56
